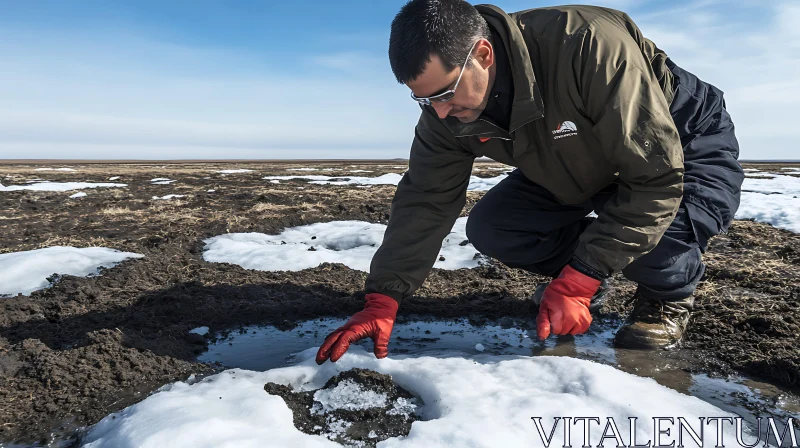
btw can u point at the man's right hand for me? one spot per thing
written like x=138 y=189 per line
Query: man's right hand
x=565 y=304
x=375 y=321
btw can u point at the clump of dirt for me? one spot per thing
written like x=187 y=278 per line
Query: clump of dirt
x=358 y=407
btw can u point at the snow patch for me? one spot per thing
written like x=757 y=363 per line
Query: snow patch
x=59 y=186
x=167 y=197
x=162 y=181
x=352 y=243
x=475 y=183
x=27 y=271
x=777 y=183
x=54 y=169
x=113 y=178
x=485 y=401
x=779 y=210
x=78 y=195
x=202 y=331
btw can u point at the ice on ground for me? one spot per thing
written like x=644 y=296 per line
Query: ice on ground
x=162 y=181
x=352 y=243
x=78 y=195
x=113 y=178
x=167 y=197
x=55 y=169
x=242 y=170
x=59 y=186
x=779 y=210
x=25 y=272
x=347 y=395
x=485 y=401
x=475 y=183
x=302 y=169
x=202 y=331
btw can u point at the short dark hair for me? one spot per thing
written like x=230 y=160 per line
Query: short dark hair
x=423 y=28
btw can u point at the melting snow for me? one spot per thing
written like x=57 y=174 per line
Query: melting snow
x=475 y=183
x=778 y=205
x=485 y=401
x=779 y=210
x=776 y=184
x=25 y=272
x=352 y=243
x=162 y=181
x=202 y=331
x=54 y=169
x=113 y=178
x=59 y=186
x=78 y=195
x=347 y=395
x=169 y=196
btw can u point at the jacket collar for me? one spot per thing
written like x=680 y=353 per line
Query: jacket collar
x=527 y=104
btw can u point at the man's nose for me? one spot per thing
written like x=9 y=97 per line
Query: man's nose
x=442 y=109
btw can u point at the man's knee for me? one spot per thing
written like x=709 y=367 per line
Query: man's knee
x=473 y=231
x=480 y=230
x=667 y=275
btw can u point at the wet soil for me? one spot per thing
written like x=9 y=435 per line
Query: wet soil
x=85 y=347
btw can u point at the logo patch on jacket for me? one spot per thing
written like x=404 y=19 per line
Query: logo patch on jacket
x=565 y=129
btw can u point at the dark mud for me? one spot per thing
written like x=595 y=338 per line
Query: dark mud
x=362 y=407
x=73 y=353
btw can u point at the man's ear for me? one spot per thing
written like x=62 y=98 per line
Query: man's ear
x=484 y=53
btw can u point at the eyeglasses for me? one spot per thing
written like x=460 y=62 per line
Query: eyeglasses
x=448 y=94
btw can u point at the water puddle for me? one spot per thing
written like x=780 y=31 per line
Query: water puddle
x=266 y=347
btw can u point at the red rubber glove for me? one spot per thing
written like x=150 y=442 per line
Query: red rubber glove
x=375 y=321
x=565 y=304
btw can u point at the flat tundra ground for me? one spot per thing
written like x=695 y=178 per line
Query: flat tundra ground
x=87 y=346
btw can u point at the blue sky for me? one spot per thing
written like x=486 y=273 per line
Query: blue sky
x=267 y=79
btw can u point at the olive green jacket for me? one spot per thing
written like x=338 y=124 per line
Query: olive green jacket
x=595 y=112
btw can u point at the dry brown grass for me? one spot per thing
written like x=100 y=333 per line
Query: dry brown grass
x=116 y=211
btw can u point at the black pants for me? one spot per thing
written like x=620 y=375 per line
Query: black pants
x=521 y=224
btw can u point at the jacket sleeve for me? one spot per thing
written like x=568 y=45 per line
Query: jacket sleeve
x=426 y=204
x=632 y=121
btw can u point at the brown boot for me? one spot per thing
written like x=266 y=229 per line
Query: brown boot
x=654 y=323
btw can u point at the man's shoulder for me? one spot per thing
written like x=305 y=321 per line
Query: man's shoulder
x=566 y=19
